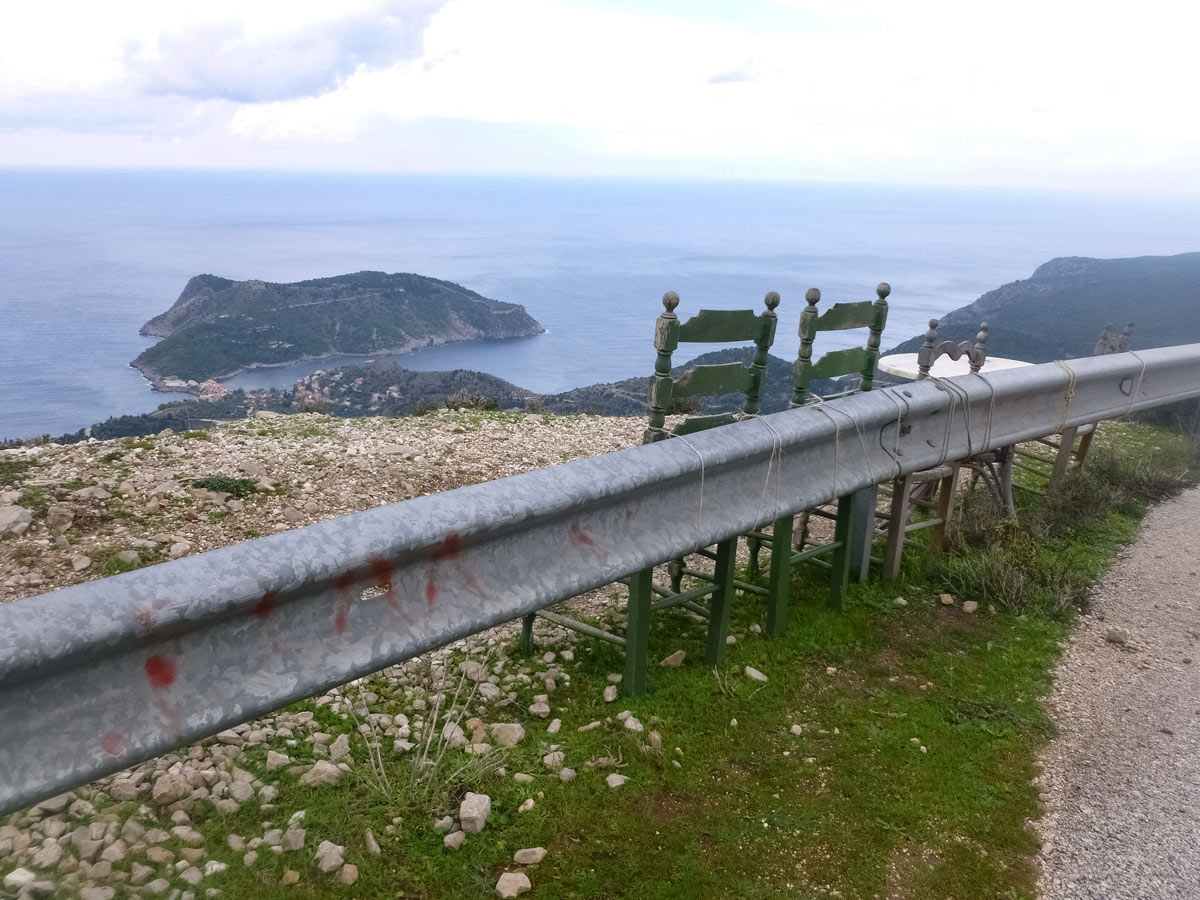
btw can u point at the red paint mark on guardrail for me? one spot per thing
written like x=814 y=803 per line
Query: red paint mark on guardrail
x=431 y=594
x=579 y=537
x=266 y=605
x=160 y=671
x=113 y=743
x=449 y=549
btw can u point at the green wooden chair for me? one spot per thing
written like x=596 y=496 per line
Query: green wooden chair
x=852 y=518
x=1069 y=449
x=645 y=595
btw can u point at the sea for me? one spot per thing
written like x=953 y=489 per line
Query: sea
x=87 y=256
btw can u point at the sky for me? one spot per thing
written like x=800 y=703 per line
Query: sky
x=1094 y=96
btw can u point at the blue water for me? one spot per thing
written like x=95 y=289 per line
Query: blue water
x=87 y=257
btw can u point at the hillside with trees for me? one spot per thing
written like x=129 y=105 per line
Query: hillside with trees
x=1060 y=311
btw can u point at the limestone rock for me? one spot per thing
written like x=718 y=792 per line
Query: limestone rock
x=615 y=780
x=513 y=884
x=473 y=812
x=675 y=660
x=15 y=520
x=329 y=857
x=322 y=772
x=349 y=874
x=508 y=734
x=170 y=789
x=754 y=675
x=530 y=856
x=454 y=840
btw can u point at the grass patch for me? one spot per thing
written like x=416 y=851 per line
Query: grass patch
x=35 y=498
x=237 y=487
x=197 y=435
x=12 y=469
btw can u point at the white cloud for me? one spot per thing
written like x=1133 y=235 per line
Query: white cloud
x=927 y=90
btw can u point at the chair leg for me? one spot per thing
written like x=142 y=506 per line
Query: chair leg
x=753 y=546
x=1062 y=461
x=675 y=573
x=839 y=575
x=637 y=633
x=526 y=642
x=1005 y=480
x=1085 y=444
x=779 y=585
x=901 y=509
x=947 y=489
x=718 y=609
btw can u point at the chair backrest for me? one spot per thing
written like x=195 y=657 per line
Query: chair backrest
x=1112 y=342
x=870 y=314
x=975 y=352
x=708 y=326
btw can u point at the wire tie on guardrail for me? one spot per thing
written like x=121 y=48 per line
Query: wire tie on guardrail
x=1069 y=395
x=700 y=456
x=776 y=454
x=819 y=404
x=1134 y=388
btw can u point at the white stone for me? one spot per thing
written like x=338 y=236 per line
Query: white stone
x=454 y=839
x=754 y=675
x=675 y=660
x=339 y=748
x=293 y=839
x=970 y=606
x=473 y=812
x=795 y=729
x=526 y=805
x=530 y=856
x=541 y=709
x=508 y=734
x=615 y=780
x=15 y=520
x=329 y=857
x=554 y=761
x=610 y=693
x=565 y=774
x=554 y=726
x=513 y=884
x=322 y=772
x=276 y=760
x=632 y=724
x=19 y=878
x=170 y=789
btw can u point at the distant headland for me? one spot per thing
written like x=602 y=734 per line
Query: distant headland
x=219 y=327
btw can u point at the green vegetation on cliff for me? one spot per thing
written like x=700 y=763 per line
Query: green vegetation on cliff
x=1059 y=312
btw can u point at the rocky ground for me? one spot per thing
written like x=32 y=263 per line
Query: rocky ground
x=70 y=514
x=1121 y=782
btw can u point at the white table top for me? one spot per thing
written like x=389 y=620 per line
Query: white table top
x=905 y=365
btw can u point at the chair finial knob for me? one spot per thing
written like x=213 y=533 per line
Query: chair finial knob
x=772 y=299
x=882 y=290
x=812 y=296
x=670 y=301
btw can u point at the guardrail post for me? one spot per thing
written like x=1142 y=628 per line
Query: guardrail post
x=862 y=530
x=779 y=584
x=637 y=632
x=840 y=559
x=718 y=608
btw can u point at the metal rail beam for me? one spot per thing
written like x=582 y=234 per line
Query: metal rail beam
x=97 y=677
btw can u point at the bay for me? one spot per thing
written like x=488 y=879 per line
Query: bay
x=86 y=257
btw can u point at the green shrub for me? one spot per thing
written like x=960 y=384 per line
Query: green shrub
x=465 y=399
x=238 y=487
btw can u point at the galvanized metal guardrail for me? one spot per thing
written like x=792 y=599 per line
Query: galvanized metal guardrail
x=103 y=675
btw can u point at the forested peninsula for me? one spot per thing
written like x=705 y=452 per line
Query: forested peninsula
x=220 y=327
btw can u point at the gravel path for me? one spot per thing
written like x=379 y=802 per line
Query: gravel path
x=1122 y=780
